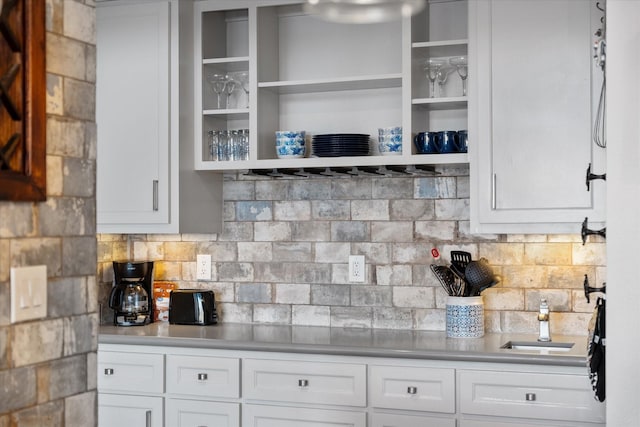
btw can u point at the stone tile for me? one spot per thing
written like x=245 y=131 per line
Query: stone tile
x=393 y=275
x=331 y=209
x=80 y=334
x=502 y=253
x=272 y=190
x=423 y=276
x=272 y=232
x=370 y=210
x=199 y=238
x=310 y=315
x=236 y=231
x=570 y=277
x=65 y=137
x=332 y=252
x=228 y=211
x=15 y=220
x=413 y=297
x=54 y=16
x=79 y=99
x=558 y=299
x=166 y=270
x=219 y=251
x=272 y=313
x=464 y=234
x=503 y=299
x=428 y=231
x=148 y=250
x=291 y=251
x=351 y=317
x=434 y=188
x=316 y=231
x=18 y=389
x=79 y=177
x=375 y=253
x=589 y=254
x=54 y=94
x=180 y=251
x=254 y=211
x=288 y=293
x=54 y=176
x=353 y=188
x=452 y=209
x=67 y=217
x=580 y=304
x=253 y=293
x=350 y=231
x=371 y=296
x=547 y=253
x=332 y=295
x=526 y=238
x=519 y=322
x=409 y=253
x=4 y=342
x=235 y=272
x=79 y=410
x=83 y=262
x=492 y=322
x=430 y=319
x=79 y=22
x=235 y=313
x=255 y=251
x=392 y=188
x=309 y=189
x=392 y=231
x=62 y=378
x=462 y=187
x=292 y=210
x=66 y=296
x=569 y=323
x=92 y=369
x=392 y=318
x=525 y=276
x=90 y=59
x=38 y=251
x=292 y=272
x=36 y=342
x=239 y=190
x=66 y=57
x=413 y=210
x=50 y=414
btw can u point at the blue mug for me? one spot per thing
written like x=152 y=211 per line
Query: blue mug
x=447 y=141
x=462 y=141
x=426 y=143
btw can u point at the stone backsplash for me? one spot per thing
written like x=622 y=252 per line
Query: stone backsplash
x=283 y=256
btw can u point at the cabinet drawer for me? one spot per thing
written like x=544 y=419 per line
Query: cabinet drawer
x=281 y=416
x=304 y=382
x=203 y=376
x=389 y=420
x=189 y=413
x=413 y=388
x=127 y=372
x=529 y=395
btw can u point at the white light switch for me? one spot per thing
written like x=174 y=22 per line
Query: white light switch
x=28 y=293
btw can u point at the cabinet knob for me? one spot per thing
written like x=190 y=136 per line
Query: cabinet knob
x=108 y=371
x=412 y=390
x=202 y=377
x=530 y=397
x=303 y=383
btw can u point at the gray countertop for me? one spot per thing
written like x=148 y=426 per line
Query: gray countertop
x=346 y=341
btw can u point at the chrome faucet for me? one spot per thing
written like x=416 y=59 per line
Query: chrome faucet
x=543 y=320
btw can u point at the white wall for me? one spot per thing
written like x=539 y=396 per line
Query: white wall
x=623 y=212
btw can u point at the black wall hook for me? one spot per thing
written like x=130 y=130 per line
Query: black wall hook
x=590 y=289
x=587 y=232
x=591 y=176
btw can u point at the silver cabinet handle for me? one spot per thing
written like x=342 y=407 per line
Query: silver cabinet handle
x=493 y=192
x=530 y=397
x=155 y=194
x=303 y=383
x=202 y=377
x=108 y=371
x=412 y=390
x=148 y=423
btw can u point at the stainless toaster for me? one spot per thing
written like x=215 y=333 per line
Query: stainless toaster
x=192 y=307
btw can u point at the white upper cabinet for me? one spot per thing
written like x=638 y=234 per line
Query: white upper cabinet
x=304 y=73
x=532 y=108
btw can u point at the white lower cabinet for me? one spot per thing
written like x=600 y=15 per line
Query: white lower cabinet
x=191 y=413
x=395 y=420
x=283 y=416
x=116 y=410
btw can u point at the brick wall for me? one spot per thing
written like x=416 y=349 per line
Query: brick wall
x=282 y=257
x=47 y=367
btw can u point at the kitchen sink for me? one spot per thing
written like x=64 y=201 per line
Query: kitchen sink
x=538 y=346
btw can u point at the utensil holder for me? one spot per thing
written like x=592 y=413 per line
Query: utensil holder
x=465 y=317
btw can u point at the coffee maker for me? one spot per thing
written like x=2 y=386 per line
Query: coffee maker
x=131 y=296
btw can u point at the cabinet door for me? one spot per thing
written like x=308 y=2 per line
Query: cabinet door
x=531 y=116
x=191 y=413
x=130 y=372
x=389 y=420
x=132 y=113
x=280 y=416
x=116 y=410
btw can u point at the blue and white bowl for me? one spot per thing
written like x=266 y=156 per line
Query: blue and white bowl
x=290 y=144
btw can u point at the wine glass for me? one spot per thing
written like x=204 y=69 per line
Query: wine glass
x=443 y=75
x=242 y=78
x=218 y=83
x=460 y=62
x=432 y=68
x=229 y=87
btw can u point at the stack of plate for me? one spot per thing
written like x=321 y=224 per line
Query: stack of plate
x=340 y=144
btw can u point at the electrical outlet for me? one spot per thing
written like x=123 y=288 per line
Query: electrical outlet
x=203 y=267
x=356 y=268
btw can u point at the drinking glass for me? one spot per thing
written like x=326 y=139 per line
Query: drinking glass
x=242 y=79
x=443 y=74
x=214 y=139
x=243 y=135
x=432 y=68
x=229 y=87
x=218 y=83
x=460 y=62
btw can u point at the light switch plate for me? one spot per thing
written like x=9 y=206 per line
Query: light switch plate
x=28 y=293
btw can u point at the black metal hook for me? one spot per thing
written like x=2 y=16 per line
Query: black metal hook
x=591 y=176
x=590 y=289
x=600 y=8
x=587 y=232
